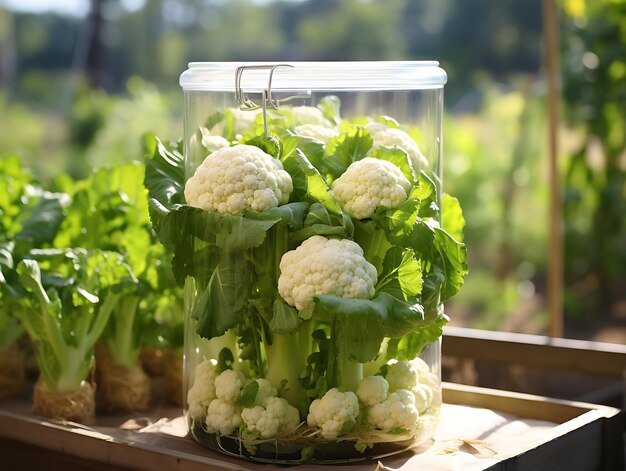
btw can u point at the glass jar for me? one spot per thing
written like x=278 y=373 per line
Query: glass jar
x=314 y=296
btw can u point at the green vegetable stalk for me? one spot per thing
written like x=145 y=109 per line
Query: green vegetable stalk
x=109 y=212
x=70 y=297
x=29 y=219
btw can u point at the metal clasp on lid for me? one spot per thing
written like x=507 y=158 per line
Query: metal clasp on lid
x=246 y=104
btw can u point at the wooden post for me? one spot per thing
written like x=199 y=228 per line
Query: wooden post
x=555 y=244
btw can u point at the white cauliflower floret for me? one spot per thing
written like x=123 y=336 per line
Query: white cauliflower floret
x=401 y=375
x=223 y=417
x=325 y=266
x=234 y=179
x=431 y=380
x=423 y=397
x=212 y=143
x=276 y=418
x=372 y=390
x=309 y=115
x=316 y=131
x=202 y=392
x=397 y=411
x=383 y=135
x=421 y=366
x=369 y=183
x=265 y=392
x=332 y=411
x=228 y=385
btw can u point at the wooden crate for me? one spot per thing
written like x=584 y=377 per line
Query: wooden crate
x=586 y=437
x=569 y=369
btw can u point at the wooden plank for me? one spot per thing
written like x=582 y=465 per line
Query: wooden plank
x=523 y=405
x=18 y=456
x=579 y=450
x=108 y=451
x=593 y=432
x=545 y=353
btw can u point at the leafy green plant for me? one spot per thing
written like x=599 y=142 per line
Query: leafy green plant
x=594 y=176
x=229 y=263
x=29 y=218
x=71 y=295
x=109 y=212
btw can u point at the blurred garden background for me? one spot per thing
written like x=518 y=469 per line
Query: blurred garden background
x=81 y=80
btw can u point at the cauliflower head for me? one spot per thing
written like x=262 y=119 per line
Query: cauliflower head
x=234 y=179
x=420 y=365
x=397 y=411
x=325 y=266
x=310 y=115
x=383 y=135
x=372 y=390
x=369 y=183
x=423 y=396
x=276 y=418
x=212 y=143
x=316 y=131
x=431 y=380
x=228 y=385
x=265 y=392
x=202 y=392
x=223 y=417
x=402 y=375
x=333 y=411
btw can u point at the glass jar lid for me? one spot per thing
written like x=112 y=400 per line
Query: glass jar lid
x=385 y=75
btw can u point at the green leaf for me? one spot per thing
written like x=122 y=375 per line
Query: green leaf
x=182 y=228
x=44 y=220
x=453 y=262
x=313 y=379
x=396 y=156
x=397 y=223
x=66 y=319
x=410 y=345
x=225 y=360
x=402 y=274
x=426 y=193
x=270 y=145
x=165 y=172
x=311 y=148
x=109 y=211
x=330 y=106
x=452 y=220
x=400 y=317
x=319 y=221
x=248 y=395
x=285 y=320
x=350 y=146
x=29 y=217
x=213 y=119
x=389 y=122
x=226 y=125
x=222 y=304
x=292 y=213
x=347 y=426
x=309 y=183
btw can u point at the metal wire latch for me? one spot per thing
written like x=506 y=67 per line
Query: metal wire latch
x=247 y=104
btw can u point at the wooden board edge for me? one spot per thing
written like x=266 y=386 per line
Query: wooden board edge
x=136 y=456
x=523 y=405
